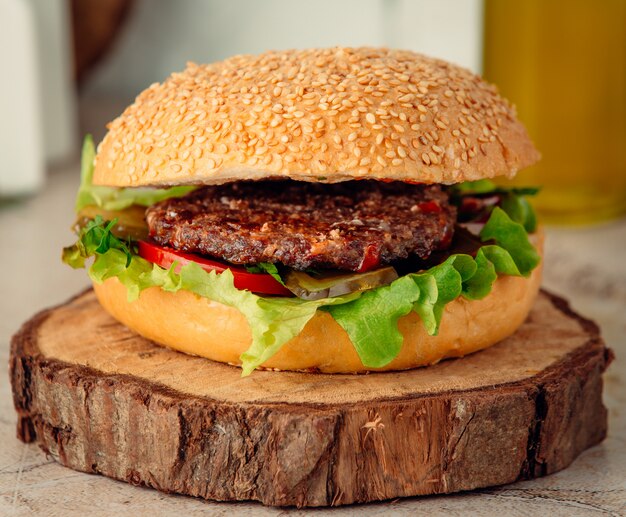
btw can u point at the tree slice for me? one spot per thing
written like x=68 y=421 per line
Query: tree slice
x=101 y=399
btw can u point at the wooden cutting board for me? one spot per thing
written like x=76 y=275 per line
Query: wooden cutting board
x=101 y=399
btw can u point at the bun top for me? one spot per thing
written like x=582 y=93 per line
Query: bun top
x=322 y=115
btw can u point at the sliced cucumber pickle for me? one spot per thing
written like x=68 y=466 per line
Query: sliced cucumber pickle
x=308 y=287
x=130 y=221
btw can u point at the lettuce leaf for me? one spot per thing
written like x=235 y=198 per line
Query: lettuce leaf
x=369 y=318
x=513 y=200
x=518 y=208
x=512 y=240
x=95 y=238
x=111 y=198
x=489 y=187
x=269 y=268
x=474 y=187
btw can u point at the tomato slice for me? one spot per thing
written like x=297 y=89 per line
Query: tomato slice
x=261 y=283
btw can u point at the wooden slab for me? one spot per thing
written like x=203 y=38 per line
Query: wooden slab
x=100 y=399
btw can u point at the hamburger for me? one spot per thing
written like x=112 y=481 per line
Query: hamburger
x=323 y=210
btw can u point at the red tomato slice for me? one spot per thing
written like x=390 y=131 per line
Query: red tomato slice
x=261 y=283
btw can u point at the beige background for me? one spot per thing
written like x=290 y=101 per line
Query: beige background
x=162 y=35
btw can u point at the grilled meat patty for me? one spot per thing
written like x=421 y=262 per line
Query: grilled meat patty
x=355 y=225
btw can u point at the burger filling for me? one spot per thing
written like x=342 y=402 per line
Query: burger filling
x=365 y=252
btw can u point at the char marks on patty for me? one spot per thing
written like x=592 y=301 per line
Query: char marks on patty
x=354 y=226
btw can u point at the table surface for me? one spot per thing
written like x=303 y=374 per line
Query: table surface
x=587 y=265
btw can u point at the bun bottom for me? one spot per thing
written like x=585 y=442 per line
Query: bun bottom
x=188 y=323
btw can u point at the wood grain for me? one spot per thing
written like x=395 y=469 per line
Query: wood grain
x=100 y=399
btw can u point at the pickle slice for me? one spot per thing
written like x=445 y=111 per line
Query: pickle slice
x=130 y=221
x=308 y=287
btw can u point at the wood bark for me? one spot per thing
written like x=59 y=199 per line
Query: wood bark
x=100 y=399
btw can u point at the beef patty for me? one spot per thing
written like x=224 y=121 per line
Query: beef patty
x=355 y=225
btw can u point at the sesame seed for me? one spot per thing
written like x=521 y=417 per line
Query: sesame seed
x=281 y=110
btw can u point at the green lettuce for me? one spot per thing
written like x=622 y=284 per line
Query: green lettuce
x=111 y=198
x=269 y=268
x=514 y=201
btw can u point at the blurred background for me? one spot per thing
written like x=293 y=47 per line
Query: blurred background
x=75 y=64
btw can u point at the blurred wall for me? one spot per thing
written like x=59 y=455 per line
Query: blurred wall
x=162 y=35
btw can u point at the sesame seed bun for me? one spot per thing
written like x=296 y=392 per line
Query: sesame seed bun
x=322 y=115
x=186 y=322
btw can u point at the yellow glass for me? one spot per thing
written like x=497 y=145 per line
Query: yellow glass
x=563 y=63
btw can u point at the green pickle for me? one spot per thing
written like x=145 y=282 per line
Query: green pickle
x=130 y=224
x=308 y=287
